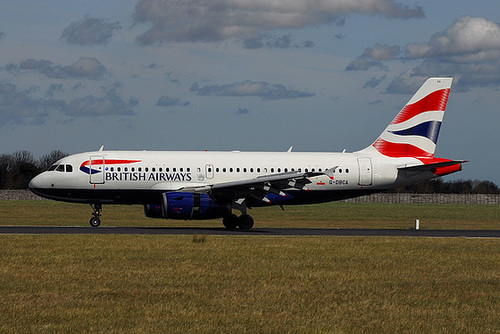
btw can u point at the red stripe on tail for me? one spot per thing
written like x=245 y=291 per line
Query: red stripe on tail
x=398 y=150
x=433 y=102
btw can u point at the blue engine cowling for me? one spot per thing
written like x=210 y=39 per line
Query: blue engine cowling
x=180 y=205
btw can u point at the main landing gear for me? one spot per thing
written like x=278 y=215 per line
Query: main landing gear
x=244 y=222
x=95 y=221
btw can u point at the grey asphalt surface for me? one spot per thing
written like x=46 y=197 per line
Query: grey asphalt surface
x=254 y=231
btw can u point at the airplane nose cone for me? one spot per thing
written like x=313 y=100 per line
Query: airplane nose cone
x=35 y=182
x=38 y=183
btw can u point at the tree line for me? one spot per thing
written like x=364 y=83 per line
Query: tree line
x=438 y=186
x=18 y=168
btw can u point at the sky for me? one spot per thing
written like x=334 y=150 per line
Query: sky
x=247 y=75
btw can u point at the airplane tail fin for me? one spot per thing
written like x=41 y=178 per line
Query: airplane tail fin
x=414 y=131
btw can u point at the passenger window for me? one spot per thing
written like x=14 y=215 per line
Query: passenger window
x=347 y=170
x=69 y=168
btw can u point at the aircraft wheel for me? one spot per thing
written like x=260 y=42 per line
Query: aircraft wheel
x=230 y=222
x=95 y=221
x=245 y=222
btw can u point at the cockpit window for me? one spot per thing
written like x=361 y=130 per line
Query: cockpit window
x=62 y=168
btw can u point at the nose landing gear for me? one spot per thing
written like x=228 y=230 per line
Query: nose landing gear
x=95 y=221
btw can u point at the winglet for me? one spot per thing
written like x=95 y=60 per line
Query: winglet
x=101 y=149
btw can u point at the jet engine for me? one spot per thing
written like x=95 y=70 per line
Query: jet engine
x=183 y=205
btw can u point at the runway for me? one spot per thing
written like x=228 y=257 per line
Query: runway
x=253 y=232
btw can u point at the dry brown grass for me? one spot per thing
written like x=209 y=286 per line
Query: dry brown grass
x=172 y=284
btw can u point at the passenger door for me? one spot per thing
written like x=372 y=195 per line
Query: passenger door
x=365 y=171
x=97 y=169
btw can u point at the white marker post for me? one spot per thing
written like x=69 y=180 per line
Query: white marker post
x=417 y=224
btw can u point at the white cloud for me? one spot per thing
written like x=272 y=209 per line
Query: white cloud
x=216 y=20
x=84 y=68
x=245 y=88
x=260 y=41
x=20 y=106
x=91 y=106
x=468 y=50
x=90 y=31
x=373 y=56
x=166 y=101
x=469 y=39
x=374 y=82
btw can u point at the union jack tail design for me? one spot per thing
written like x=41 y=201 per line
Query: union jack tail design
x=414 y=131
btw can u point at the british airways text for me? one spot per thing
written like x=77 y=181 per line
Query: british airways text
x=152 y=176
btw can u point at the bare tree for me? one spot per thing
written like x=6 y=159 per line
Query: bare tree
x=48 y=160
x=6 y=164
x=21 y=171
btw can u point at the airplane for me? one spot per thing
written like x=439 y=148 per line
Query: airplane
x=211 y=185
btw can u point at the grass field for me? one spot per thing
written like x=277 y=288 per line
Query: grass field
x=328 y=215
x=251 y=284
x=170 y=284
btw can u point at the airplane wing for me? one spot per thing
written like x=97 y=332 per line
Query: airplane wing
x=266 y=188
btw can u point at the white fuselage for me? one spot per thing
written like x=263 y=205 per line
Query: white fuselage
x=126 y=176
